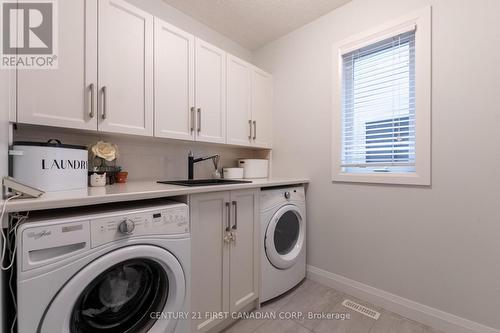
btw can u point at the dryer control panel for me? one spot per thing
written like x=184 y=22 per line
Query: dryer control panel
x=270 y=198
x=169 y=220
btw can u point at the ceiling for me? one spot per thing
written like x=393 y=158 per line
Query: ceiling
x=254 y=23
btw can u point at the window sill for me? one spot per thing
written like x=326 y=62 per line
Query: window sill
x=383 y=178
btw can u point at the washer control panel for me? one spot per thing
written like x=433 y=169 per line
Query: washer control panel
x=167 y=220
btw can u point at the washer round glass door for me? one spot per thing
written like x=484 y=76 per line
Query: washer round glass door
x=121 y=292
x=285 y=235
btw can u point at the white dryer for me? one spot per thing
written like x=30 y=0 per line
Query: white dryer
x=283 y=236
x=125 y=270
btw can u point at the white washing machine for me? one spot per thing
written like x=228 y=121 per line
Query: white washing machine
x=283 y=236
x=124 y=270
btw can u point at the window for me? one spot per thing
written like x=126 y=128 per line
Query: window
x=383 y=105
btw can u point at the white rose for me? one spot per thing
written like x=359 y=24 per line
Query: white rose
x=105 y=150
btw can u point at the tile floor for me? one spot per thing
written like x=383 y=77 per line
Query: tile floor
x=310 y=296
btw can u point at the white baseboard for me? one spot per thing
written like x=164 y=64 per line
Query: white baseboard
x=427 y=315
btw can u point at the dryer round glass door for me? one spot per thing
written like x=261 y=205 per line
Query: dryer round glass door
x=285 y=236
x=122 y=291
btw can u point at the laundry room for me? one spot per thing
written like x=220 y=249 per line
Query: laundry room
x=249 y=166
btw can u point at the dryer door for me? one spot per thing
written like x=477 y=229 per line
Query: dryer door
x=123 y=291
x=285 y=237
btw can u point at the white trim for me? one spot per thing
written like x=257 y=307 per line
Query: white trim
x=358 y=43
x=422 y=176
x=410 y=309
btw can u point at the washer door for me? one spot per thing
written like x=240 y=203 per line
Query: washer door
x=285 y=236
x=121 y=292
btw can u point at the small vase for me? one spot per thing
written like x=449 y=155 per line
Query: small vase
x=121 y=177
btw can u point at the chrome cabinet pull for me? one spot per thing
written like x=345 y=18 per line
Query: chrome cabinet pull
x=104 y=103
x=254 y=129
x=250 y=133
x=235 y=225
x=199 y=120
x=92 y=96
x=228 y=209
x=192 y=119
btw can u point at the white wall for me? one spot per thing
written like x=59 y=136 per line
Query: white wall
x=439 y=246
x=173 y=16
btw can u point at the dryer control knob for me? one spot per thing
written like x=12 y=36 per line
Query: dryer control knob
x=287 y=195
x=126 y=227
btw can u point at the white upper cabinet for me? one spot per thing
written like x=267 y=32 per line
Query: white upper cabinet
x=8 y=95
x=174 y=82
x=63 y=97
x=210 y=93
x=239 y=114
x=249 y=104
x=121 y=70
x=262 y=108
x=125 y=68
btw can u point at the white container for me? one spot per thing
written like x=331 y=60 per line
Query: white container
x=98 y=180
x=50 y=166
x=233 y=173
x=254 y=168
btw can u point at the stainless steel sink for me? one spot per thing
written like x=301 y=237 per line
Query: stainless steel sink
x=203 y=182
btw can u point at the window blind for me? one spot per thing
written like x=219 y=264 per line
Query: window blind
x=378 y=106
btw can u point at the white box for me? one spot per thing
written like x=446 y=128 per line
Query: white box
x=254 y=168
x=50 y=166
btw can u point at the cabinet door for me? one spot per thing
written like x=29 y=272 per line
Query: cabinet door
x=262 y=107
x=174 y=82
x=239 y=114
x=244 y=250
x=7 y=97
x=210 y=93
x=125 y=68
x=209 y=259
x=62 y=97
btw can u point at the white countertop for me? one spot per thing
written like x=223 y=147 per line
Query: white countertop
x=134 y=190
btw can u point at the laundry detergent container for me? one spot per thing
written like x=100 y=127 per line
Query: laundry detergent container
x=50 y=166
x=254 y=168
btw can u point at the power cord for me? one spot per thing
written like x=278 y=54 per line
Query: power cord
x=10 y=244
x=4 y=238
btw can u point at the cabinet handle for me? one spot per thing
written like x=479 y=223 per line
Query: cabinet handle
x=199 y=120
x=228 y=209
x=104 y=103
x=250 y=134
x=92 y=96
x=254 y=129
x=235 y=225
x=192 y=119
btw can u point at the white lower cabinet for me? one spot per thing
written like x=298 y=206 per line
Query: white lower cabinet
x=225 y=254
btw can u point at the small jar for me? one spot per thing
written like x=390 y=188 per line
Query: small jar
x=98 y=179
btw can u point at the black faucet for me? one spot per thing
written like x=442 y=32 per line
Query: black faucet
x=192 y=160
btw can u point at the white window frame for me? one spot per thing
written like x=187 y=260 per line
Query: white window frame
x=421 y=20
